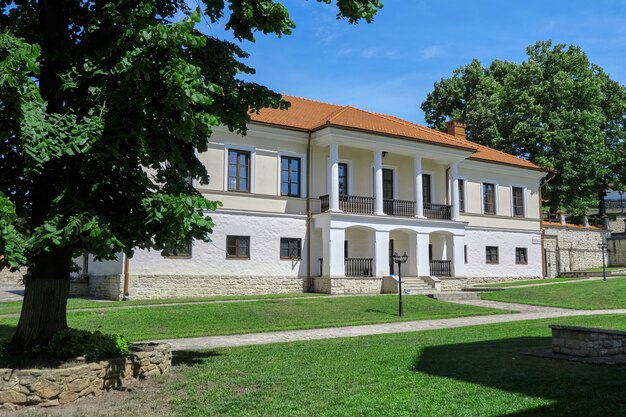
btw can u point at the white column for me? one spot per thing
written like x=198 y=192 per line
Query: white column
x=458 y=257
x=381 y=254
x=419 y=190
x=423 y=263
x=333 y=161
x=378 y=182
x=454 y=177
x=332 y=249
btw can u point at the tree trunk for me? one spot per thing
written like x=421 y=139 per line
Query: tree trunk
x=45 y=301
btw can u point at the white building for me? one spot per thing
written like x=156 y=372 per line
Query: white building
x=318 y=198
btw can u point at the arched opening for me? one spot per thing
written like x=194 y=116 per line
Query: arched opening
x=440 y=254
x=358 y=251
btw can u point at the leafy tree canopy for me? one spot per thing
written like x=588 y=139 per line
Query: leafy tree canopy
x=105 y=106
x=556 y=109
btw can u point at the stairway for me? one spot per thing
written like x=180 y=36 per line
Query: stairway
x=416 y=285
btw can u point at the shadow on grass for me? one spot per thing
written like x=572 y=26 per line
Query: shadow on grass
x=575 y=389
x=191 y=358
x=385 y=313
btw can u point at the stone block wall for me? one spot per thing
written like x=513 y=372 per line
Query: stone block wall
x=618 y=225
x=110 y=287
x=50 y=387
x=572 y=248
x=458 y=283
x=587 y=342
x=9 y=278
x=348 y=285
x=617 y=249
x=143 y=287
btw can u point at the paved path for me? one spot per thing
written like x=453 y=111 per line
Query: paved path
x=526 y=312
x=11 y=293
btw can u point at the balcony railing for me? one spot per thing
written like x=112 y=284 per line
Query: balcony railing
x=441 y=268
x=401 y=208
x=358 y=267
x=437 y=211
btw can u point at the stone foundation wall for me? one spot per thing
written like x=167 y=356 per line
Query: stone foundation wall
x=348 y=285
x=109 y=287
x=143 y=287
x=79 y=288
x=617 y=249
x=49 y=387
x=587 y=342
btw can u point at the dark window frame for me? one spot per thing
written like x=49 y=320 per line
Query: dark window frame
x=518 y=202
x=237 y=176
x=237 y=246
x=289 y=241
x=489 y=190
x=462 y=196
x=521 y=260
x=345 y=176
x=290 y=181
x=427 y=197
x=465 y=253
x=489 y=255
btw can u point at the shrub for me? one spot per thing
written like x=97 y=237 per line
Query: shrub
x=71 y=343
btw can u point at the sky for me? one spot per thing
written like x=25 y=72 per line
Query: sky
x=390 y=65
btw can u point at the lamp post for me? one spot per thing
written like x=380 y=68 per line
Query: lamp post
x=603 y=246
x=400 y=260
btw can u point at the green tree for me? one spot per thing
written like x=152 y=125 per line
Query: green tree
x=555 y=109
x=104 y=106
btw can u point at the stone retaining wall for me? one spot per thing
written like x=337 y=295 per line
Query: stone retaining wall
x=458 y=283
x=587 y=342
x=10 y=278
x=50 y=387
x=572 y=248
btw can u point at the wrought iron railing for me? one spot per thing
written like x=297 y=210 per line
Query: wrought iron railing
x=358 y=267
x=441 y=268
x=401 y=208
x=437 y=211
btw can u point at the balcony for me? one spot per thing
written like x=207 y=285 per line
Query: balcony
x=398 y=208
x=441 y=268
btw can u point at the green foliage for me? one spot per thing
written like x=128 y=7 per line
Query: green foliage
x=105 y=107
x=556 y=109
x=72 y=343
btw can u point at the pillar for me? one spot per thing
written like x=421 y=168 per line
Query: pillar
x=454 y=176
x=332 y=250
x=458 y=256
x=423 y=263
x=381 y=254
x=419 y=190
x=333 y=161
x=378 y=182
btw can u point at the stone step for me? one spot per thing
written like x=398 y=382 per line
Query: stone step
x=454 y=296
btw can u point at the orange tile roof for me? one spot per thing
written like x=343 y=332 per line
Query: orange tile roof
x=573 y=226
x=313 y=115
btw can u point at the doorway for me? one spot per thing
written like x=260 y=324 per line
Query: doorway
x=391 y=251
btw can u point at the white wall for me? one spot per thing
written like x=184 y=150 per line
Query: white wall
x=506 y=241
x=208 y=259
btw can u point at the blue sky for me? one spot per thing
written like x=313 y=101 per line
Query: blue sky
x=390 y=65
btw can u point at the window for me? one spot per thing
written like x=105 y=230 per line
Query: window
x=521 y=256
x=290 y=248
x=183 y=252
x=465 y=253
x=238 y=247
x=238 y=170
x=426 y=192
x=518 y=202
x=491 y=253
x=290 y=176
x=462 y=197
x=489 y=198
x=343 y=179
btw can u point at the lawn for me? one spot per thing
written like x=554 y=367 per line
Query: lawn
x=258 y=316
x=528 y=282
x=588 y=295
x=465 y=372
x=14 y=307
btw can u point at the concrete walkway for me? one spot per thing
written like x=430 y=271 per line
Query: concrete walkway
x=526 y=312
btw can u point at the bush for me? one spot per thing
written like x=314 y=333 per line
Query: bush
x=71 y=343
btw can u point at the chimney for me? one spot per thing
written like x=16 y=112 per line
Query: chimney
x=457 y=129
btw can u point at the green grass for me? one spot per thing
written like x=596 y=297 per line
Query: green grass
x=528 y=282
x=472 y=371
x=258 y=316
x=587 y=295
x=14 y=307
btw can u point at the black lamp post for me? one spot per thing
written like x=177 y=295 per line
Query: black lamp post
x=400 y=260
x=603 y=246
